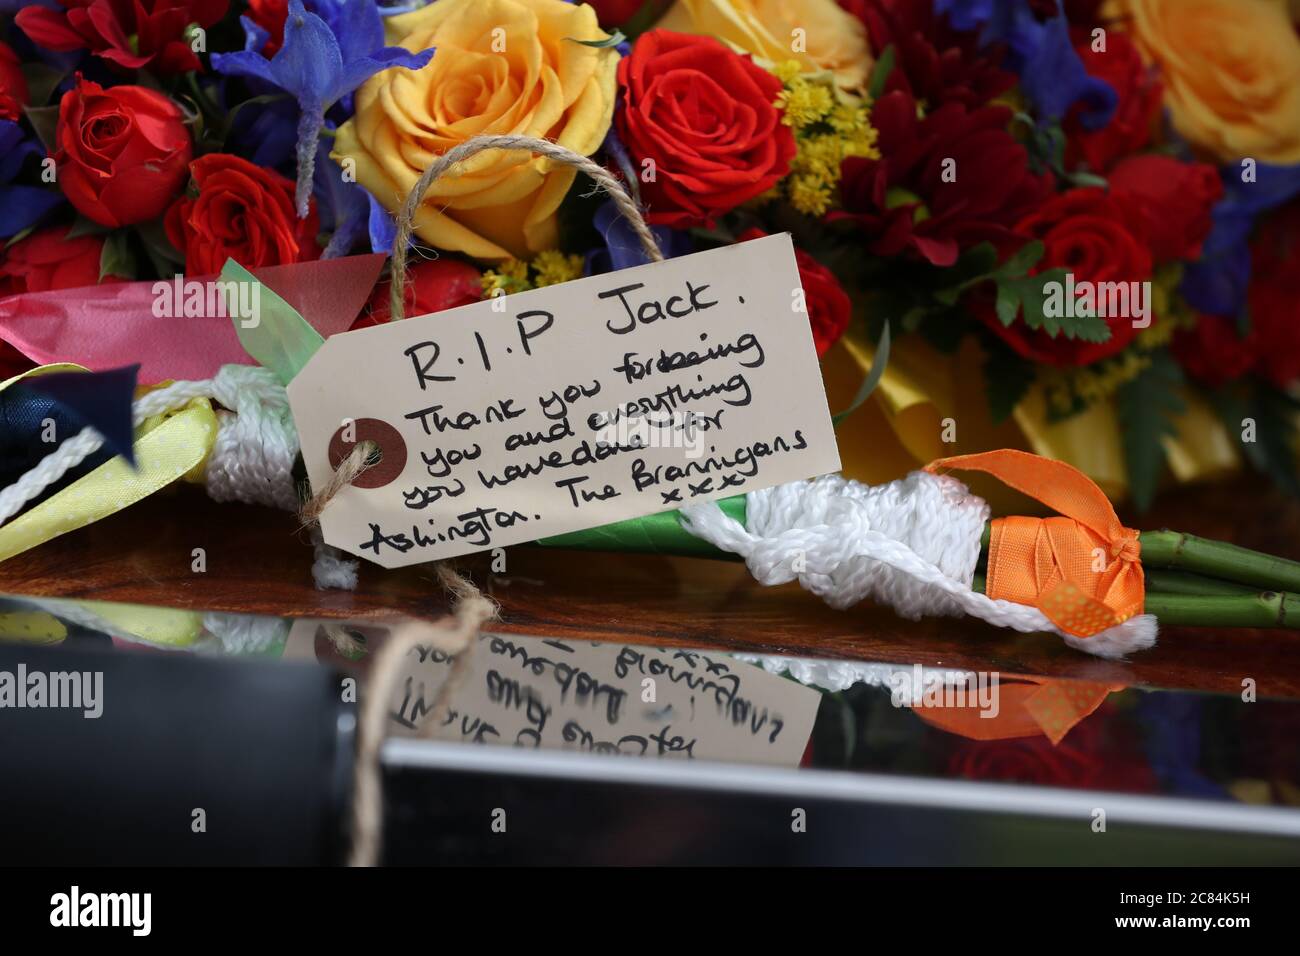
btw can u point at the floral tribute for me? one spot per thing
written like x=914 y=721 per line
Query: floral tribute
x=1095 y=204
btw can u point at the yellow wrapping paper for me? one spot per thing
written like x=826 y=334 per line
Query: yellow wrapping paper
x=925 y=393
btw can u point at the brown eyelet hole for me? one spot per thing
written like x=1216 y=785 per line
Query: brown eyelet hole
x=392 y=451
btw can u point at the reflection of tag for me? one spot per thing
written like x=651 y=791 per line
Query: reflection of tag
x=569 y=407
x=611 y=698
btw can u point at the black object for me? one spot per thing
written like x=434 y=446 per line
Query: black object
x=194 y=760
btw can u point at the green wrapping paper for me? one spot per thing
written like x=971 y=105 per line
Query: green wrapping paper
x=653 y=534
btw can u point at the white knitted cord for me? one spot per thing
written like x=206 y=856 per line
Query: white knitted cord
x=911 y=544
x=251 y=459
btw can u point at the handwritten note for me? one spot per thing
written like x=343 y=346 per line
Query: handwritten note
x=569 y=407
x=611 y=698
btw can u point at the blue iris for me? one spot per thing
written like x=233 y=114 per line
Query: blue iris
x=322 y=61
x=20 y=206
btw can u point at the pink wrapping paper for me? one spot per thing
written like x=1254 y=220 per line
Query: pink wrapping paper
x=108 y=326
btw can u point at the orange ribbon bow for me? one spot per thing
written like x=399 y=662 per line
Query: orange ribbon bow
x=1027 y=706
x=1081 y=569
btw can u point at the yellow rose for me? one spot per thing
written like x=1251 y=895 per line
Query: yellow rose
x=816 y=34
x=1231 y=70
x=500 y=67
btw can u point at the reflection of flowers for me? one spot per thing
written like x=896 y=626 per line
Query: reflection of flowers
x=1090 y=756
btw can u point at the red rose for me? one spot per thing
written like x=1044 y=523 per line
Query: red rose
x=13 y=87
x=829 y=307
x=1088 y=233
x=1213 y=352
x=48 y=260
x=130 y=33
x=121 y=153
x=1138 y=107
x=1275 y=295
x=241 y=212
x=431 y=286
x=942 y=184
x=1173 y=199
x=704 y=116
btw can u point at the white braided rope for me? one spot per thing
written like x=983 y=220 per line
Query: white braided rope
x=251 y=459
x=911 y=544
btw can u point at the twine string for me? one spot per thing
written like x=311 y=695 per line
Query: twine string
x=471 y=608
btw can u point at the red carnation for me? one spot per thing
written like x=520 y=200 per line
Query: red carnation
x=829 y=308
x=130 y=33
x=1091 y=235
x=704 y=116
x=1173 y=199
x=934 y=63
x=943 y=183
x=122 y=152
x=241 y=212
x=431 y=286
x=13 y=87
x=1139 y=91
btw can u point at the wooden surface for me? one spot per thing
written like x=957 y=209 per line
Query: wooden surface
x=257 y=562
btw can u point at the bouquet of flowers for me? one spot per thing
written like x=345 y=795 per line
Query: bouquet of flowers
x=1081 y=212
x=1075 y=222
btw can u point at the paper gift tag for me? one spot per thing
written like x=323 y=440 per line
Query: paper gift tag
x=569 y=407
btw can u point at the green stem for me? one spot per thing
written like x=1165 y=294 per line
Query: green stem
x=1218 y=559
x=1179 y=551
x=1263 y=609
x=1165 y=581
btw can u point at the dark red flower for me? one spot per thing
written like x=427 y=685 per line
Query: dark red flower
x=1091 y=235
x=943 y=183
x=829 y=307
x=122 y=152
x=934 y=63
x=130 y=33
x=704 y=115
x=13 y=86
x=1275 y=295
x=1213 y=352
x=431 y=286
x=241 y=212
x=1173 y=199
x=1139 y=92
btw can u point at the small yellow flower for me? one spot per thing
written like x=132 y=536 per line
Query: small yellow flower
x=551 y=267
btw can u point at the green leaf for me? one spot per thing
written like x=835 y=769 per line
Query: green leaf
x=880 y=72
x=45 y=120
x=1147 y=408
x=42 y=81
x=1008 y=305
x=82 y=226
x=1273 y=450
x=878 y=363
x=609 y=41
x=1024 y=259
x=642 y=20
x=278 y=337
x=1007 y=378
x=116 y=258
x=1032 y=293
